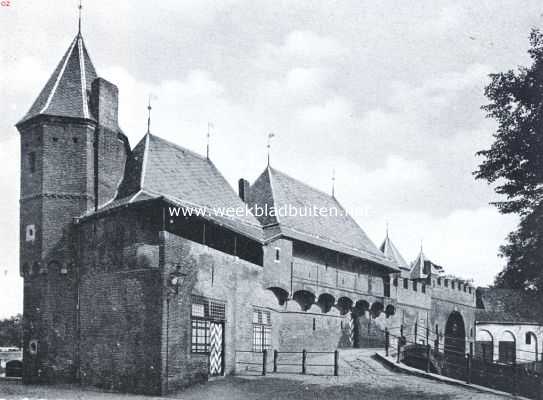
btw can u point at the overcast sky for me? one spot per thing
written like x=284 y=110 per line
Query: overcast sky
x=386 y=93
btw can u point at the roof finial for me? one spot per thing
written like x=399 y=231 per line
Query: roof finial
x=333 y=182
x=270 y=136
x=149 y=108
x=80 y=7
x=387 y=230
x=209 y=127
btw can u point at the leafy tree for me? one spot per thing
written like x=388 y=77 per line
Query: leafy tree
x=514 y=163
x=11 y=331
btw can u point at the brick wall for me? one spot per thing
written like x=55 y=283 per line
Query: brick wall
x=120 y=302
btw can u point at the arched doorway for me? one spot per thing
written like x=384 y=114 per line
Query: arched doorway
x=455 y=335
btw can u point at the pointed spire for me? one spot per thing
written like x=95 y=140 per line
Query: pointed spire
x=80 y=7
x=390 y=251
x=66 y=92
x=270 y=137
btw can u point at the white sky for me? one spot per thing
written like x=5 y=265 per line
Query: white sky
x=386 y=93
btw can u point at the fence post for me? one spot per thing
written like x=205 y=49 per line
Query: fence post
x=427 y=335
x=468 y=368
x=428 y=357
x=387 y=343
x=304 y=357
x=416 y=330
x=336 y=363
x=399 y=349
x=401 y=330
x=275 y=354
x=437 y=338
x=514 y=385
x=264 y=360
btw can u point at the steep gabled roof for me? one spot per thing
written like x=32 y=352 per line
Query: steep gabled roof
x=335 y=232
x=65 y=93
x=158 y=168
x=390 y=251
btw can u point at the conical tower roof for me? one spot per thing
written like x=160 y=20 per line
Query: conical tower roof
x=66 y=92
x=391 y=251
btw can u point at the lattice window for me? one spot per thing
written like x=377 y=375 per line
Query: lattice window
x=202 y=307
x=261 y=330
x=200 y=336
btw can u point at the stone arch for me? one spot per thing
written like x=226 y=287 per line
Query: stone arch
x=532 y=347
x=344 y=305
x=325 y=302
x=507 y=347
x=455 y=336
x=484 y=345
x=280 y=294
x=376 y=309
x=360 y=308
x=390 y=310
x=304 y=298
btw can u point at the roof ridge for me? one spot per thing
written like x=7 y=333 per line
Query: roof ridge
x=268 y=170
x=144 y=161
x=66 y=58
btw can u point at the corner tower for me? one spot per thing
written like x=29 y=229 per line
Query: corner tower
x=72 y=158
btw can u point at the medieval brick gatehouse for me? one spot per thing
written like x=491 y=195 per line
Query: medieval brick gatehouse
x=120 y=294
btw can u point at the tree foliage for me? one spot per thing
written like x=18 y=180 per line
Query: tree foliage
x=11 y=331
x=515 y=160
x=514 y=163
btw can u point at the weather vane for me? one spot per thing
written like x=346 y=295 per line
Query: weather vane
x=149 y=108
x=270 y=136
x=210 y=126
x=333 y=182
x=80 y=7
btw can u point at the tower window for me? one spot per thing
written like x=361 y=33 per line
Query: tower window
x=277 y=254
x=32 y=162
x=55 y=139
x=30 y=233
x=75 y=140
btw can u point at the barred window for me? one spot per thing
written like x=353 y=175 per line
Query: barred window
x=261 y=330
x=202 y=307
x=200 y=336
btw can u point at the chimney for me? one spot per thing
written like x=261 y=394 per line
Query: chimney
x=243 y=189
x=104 y=103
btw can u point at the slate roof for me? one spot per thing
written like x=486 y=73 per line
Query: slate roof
x=390 y=250
x=335 y=232
x=158 y=168
x=65 y=93
x=508 y=305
